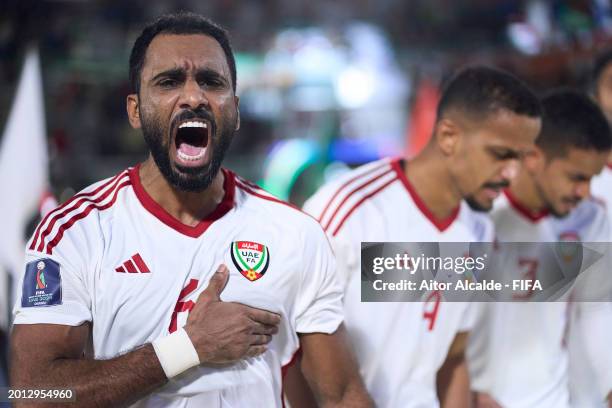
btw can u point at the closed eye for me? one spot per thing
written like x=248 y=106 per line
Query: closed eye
x=579 y=178
x=168 y=83
x=505 y=154
x=211 y=78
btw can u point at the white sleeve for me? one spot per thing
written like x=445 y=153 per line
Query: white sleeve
x=595 y=332
x=52 y=288
x=472 y=311
x=348 y=260
x=319 y=301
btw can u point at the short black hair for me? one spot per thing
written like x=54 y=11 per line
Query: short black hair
x=480 y=91
x=182 y=23
x=601 y=63
x=571 y=119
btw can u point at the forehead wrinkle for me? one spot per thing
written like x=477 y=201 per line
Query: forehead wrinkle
x=186 y=51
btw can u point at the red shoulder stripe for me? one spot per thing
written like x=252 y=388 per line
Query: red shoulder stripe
x=276 y=200
x=351 y=193
x=67 y=209
x=248 y=183
x=244 y=187
x=346 y=184
x=358 y=203
x=54 y=213
x=93 y=205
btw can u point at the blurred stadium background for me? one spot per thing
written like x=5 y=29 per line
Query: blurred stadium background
x=323 y=84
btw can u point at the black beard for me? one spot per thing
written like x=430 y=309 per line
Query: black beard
x=188 y=179
x=547 y=205
x=474 y=205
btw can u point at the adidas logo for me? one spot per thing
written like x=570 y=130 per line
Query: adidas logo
x=133 y=265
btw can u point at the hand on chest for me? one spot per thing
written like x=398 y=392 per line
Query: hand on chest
x=165 y=283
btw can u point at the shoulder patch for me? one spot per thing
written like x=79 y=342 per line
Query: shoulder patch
x=42 y=284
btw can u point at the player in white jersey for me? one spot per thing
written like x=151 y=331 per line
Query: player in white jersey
x=518 y=356
x=583 y=389
x=411 y=354
x=602 y=91
x=120 y=299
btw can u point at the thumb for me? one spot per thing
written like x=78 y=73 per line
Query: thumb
x=217 y=282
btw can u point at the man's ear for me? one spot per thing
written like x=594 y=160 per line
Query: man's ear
x=447 y=136
x=534 y=160
x=133 y=110
x=237 y=102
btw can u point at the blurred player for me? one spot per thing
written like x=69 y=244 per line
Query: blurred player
x=602 y=91
x=518 y=355
x=412 y=354
x=125 y=270
x=583 y=381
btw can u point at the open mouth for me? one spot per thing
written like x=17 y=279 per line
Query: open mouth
x=191 y=141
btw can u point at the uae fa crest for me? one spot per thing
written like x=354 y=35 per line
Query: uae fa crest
x=250 y=258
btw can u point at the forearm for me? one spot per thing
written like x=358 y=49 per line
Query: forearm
x=331 y=370
x=453 y=384
x=96 y=383
x=353 y=395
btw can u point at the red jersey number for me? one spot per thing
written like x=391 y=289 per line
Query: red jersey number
x=182 y=305
x=431 y=308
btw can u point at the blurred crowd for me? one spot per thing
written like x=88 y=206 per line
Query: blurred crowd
x=344 y=74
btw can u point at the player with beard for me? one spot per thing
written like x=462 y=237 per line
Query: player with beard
x=411 y=354
x=177 y=283
x=518 y=355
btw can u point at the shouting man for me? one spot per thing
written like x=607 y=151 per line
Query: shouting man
x=177 y=283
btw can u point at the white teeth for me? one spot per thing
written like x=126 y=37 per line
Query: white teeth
x=185 y=157
x=193 y=125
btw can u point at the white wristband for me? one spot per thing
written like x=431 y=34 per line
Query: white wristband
x=176 y=353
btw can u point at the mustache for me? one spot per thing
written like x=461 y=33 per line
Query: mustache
x=497 y=186
x=572 y=200
x=190 y=114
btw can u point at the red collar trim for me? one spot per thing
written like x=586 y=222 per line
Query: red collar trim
x=229 y=185
x=524 y=211
x=609 y=165
x=441 y=224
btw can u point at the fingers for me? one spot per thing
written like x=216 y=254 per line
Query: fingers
x=259 y=328
x=260 y=339
x=255 y=351
x=263 y=316
x=217 y=282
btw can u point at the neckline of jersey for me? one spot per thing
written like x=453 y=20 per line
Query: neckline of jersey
x=440 y=224
x=226 y=204
x=533 y=216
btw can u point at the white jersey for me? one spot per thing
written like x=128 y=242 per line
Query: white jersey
x=584 y=387
x=114 y=257
x=518 y=351
x=399 y=346
x=601 y=188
